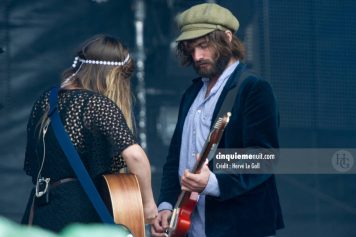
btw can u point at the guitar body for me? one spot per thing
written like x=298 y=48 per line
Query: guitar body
x=122 y=195
x=186 y=209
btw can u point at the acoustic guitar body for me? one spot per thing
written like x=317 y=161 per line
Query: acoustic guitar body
x=121 y=193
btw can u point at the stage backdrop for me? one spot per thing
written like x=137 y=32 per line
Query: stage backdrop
x=304 y=48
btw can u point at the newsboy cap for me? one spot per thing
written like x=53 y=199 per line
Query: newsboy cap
x=202 y=19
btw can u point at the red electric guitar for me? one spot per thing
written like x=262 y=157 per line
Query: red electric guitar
x=180 y=219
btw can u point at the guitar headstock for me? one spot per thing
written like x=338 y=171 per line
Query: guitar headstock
x=219 y=127
x=212 y=140
x=222 y=121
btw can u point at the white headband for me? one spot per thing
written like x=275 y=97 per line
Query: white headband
x=89 y=61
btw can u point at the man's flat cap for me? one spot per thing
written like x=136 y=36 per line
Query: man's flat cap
x=202 y=19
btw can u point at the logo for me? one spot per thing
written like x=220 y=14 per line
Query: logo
x=342 y=161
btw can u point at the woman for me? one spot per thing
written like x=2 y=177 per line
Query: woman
x=95 y=106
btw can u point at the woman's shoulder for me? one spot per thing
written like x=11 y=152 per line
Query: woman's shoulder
x=82 y=97
x=90 y=99
x=42 y=100
x=85 y=94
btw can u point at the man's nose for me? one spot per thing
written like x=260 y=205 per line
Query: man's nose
x=197 y=54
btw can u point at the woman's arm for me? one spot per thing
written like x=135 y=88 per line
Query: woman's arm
x=139 y=165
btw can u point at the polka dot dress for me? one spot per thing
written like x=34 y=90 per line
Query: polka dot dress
x=96 y=127
x=98 y=131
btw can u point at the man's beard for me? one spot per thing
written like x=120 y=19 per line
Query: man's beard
x=214 y=69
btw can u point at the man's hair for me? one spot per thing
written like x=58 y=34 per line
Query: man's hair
x=217 y=40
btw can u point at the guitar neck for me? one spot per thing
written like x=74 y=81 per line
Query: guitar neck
x=208 y=150
x=197 y=166
x=204 y=154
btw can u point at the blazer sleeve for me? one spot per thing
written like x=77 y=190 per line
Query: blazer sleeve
x=259 y=121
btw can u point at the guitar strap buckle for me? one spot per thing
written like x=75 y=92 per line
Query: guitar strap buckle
x=42 y=185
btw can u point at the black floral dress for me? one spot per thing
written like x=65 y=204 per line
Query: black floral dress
x=98 y=131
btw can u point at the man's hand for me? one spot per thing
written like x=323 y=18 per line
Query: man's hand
x=196 y=182
x=161 y=223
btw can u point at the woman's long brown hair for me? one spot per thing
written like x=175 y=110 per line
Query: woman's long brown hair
x=111 y=81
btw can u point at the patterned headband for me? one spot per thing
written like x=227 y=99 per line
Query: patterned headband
x=99 y=62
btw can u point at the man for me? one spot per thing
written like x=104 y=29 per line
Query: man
x=229 y=204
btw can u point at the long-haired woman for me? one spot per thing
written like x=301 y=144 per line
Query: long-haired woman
x=95 y=106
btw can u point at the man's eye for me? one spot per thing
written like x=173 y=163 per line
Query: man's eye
x=189 y=51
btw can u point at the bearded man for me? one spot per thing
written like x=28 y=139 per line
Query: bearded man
x=230 y=204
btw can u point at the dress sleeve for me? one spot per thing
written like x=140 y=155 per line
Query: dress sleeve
x=106 y=121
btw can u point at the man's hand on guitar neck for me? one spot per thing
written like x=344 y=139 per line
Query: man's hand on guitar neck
x=161 y=223
x=196 y=182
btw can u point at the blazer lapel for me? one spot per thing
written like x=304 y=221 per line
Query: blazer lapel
x=190 y=97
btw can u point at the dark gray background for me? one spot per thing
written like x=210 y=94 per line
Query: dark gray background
x=304 y=48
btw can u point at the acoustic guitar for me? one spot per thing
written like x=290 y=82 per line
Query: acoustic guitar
x=187 y=201
x=121 y=193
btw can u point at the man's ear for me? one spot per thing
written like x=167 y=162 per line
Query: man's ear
x=228 y=35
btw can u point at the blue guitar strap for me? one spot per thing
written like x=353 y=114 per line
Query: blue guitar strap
x=74 y=160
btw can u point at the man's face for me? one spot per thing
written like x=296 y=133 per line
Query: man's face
x=204 y=58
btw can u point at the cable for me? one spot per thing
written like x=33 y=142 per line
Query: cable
x=39 y=180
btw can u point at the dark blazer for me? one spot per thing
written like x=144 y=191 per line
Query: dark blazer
x=248 y=204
